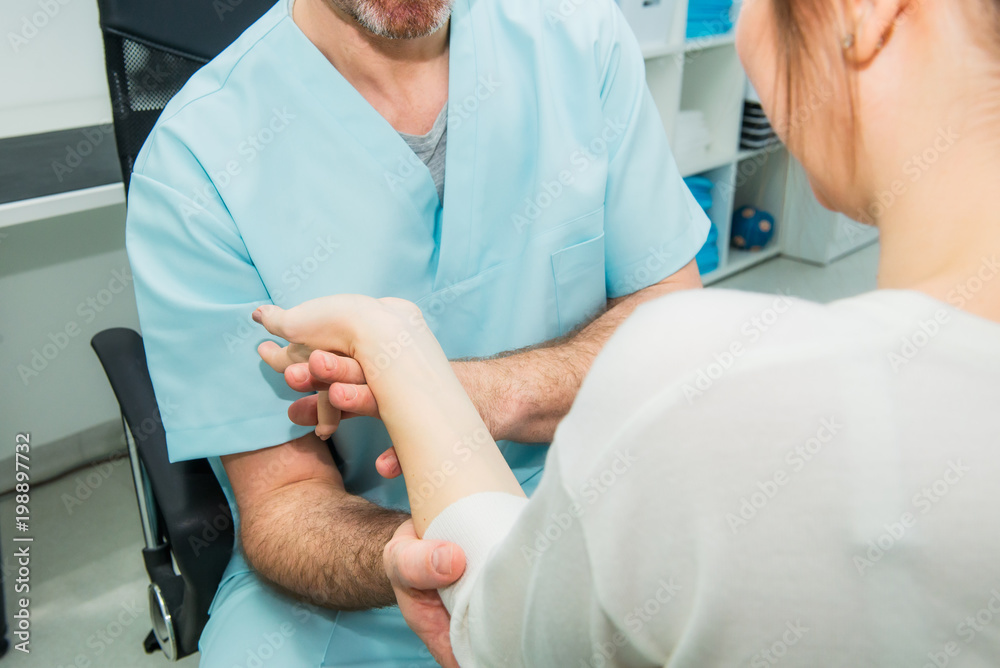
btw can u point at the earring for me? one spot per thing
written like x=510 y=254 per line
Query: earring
x=847 y=42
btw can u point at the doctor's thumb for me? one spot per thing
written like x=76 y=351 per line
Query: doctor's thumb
x=419 y=564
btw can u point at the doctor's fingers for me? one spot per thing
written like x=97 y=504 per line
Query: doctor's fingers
x=304 y=411
x=323 y=370
x=413 y=563
x=332 y=368
x=387 y=464
x=280 y=358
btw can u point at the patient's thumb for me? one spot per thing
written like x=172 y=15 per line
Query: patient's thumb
x=271 y=317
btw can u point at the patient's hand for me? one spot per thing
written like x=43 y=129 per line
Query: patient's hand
x=425 y=408
x=338 y=381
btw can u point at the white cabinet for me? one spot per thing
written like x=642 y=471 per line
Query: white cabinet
x=699 y=88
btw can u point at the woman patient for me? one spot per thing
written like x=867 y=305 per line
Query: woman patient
x=830 y=497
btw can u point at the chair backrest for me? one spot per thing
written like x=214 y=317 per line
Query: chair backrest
x=152 y=47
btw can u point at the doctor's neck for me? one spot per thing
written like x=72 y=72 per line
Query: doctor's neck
x=394 y=52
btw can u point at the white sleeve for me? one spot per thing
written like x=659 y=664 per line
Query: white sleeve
x=527 y=597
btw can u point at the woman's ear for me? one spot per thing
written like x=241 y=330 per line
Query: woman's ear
x=870 y=25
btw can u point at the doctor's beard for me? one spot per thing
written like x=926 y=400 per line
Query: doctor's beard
x=398 y=19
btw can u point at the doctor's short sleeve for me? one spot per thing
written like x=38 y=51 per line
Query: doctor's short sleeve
x=653 y=225
x=195 y=288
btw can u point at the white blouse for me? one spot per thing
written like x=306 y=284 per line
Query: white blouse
x=754 y=480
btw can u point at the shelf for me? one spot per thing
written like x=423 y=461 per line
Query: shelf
x=709 y=42
x=747 y=154
x=740 y=260
x=712 y=84
x=688 y=46
x=24 y=211
x=704 y=164
x=660 y=51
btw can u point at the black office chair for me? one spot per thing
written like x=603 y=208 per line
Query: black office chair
x=151 y=49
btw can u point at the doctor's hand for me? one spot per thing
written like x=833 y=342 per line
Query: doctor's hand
x=340 y=323
x=347 y=391
x=341 y=377
x=416 y=569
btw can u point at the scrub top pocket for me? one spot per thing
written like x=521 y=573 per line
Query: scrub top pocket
x=579 y=276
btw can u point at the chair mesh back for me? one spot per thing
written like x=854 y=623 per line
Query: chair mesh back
x=142 y=80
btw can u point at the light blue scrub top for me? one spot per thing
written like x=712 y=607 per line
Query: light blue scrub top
x=268 y=178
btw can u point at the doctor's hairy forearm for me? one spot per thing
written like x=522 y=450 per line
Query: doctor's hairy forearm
x=522 y=395
x=304 y=533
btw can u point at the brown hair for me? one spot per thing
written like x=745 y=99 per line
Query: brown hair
x=804 y=27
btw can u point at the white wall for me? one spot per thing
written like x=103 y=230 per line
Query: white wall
x=52 y=78
x=51 y=67
x=62 y=280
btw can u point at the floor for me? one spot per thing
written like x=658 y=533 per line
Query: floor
x=88 y=587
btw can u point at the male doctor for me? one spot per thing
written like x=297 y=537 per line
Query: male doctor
x=498 y=162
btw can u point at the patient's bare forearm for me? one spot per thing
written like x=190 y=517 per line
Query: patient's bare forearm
x=445 y=450
x=321 y=545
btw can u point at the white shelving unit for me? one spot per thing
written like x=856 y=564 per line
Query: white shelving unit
x=705 y=75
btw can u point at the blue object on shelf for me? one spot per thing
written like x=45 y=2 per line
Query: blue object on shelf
x=752 y=228
x=701 y=188
x=708 y=257
x=709 y=17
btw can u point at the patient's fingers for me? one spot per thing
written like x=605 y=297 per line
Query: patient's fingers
x=303 y=411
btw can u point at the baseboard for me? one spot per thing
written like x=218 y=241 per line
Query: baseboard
x=52 y=460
